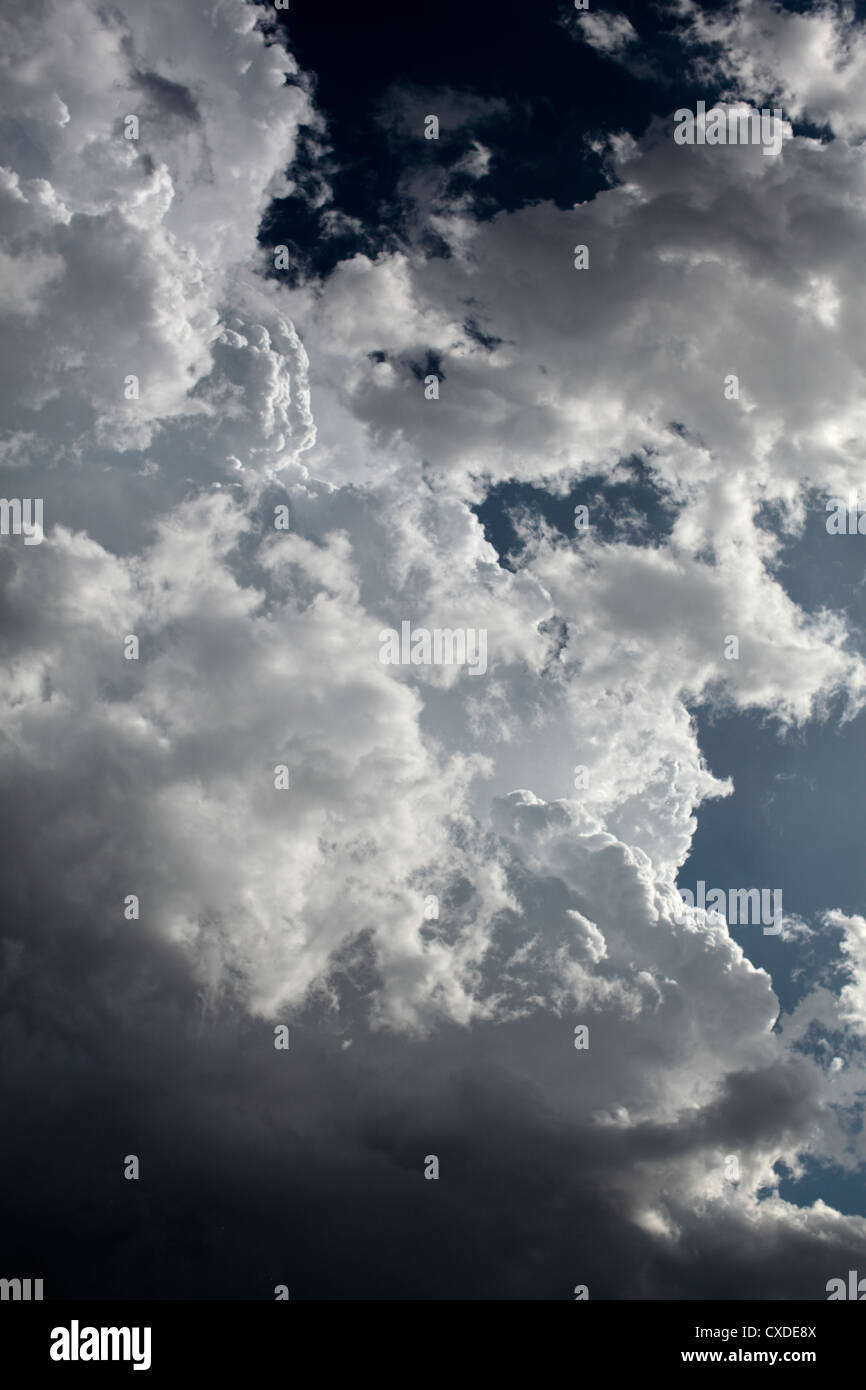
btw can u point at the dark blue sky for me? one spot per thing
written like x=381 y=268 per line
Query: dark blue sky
x=558 y=93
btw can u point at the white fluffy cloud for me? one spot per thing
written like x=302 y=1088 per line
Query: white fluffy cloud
x=812 y=62
x=123 y=251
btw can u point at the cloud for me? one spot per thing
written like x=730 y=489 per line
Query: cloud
x=260 y=647
x=609 y=34
x=812 y=62
x=135 y=241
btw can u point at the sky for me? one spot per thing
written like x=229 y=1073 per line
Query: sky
x=285 y=375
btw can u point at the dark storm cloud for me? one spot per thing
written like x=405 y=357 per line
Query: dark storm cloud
x=261 y=1167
